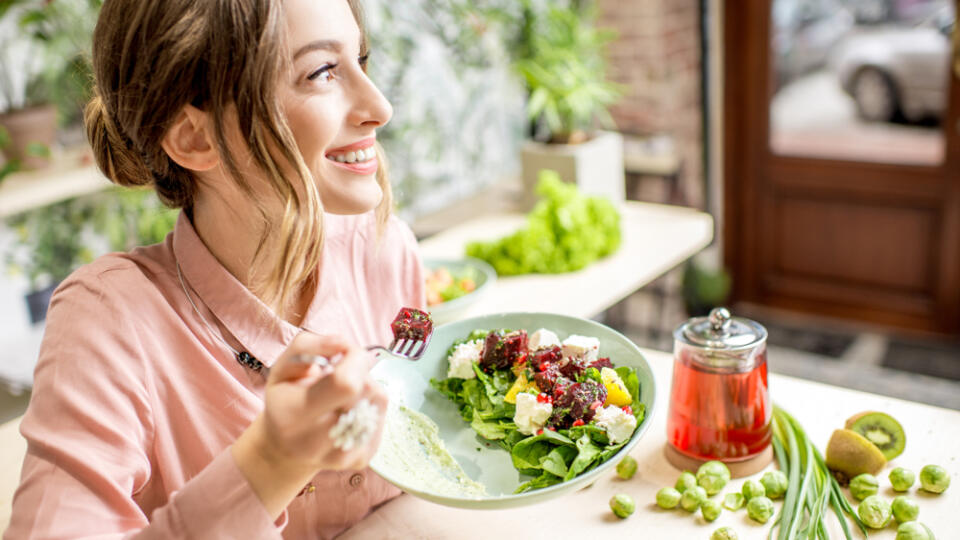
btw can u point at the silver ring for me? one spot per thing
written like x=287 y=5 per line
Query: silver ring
x=356 y=427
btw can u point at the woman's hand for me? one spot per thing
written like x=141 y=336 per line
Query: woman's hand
x=290 y=441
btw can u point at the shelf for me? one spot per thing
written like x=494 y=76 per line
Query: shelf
x=70 y=175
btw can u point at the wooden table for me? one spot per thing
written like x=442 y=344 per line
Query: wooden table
x=931 y=438
x=655 y=239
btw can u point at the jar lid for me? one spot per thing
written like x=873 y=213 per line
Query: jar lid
x=721 y=331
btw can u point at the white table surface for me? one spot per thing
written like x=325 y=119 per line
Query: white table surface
x=655 y=239
x=932 y=435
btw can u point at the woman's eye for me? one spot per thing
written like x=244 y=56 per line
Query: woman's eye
x=323 y=75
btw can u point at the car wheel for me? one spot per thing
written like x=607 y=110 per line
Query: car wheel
x=875 y=95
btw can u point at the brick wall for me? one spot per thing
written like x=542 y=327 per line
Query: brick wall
x=657 y=56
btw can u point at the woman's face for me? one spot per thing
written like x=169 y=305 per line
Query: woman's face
x=332 y=107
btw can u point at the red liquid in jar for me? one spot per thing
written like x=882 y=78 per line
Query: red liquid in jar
x=719 y=413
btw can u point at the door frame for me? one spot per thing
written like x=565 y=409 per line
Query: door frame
x=753 y=174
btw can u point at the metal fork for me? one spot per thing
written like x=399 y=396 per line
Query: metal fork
x=410 y=349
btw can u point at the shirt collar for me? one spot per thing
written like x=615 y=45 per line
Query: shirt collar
x=252 y=323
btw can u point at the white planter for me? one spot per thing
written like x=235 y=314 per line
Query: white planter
x=595 y=166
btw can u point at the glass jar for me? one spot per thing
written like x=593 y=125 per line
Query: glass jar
x=720 y=404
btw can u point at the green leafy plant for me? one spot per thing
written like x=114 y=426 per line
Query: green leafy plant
x=132 y=217
x=564 y=68
x=51 y=49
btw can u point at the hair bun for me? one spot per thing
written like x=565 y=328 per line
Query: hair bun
x=114 y=152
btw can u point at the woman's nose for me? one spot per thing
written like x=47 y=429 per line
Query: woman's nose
x=370 y=107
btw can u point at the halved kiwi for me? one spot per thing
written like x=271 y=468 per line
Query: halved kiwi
x=850 y=454
x=882 y=430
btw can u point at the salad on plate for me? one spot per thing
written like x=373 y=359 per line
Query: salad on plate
x=558 y=406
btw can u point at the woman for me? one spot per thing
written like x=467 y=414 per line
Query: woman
x=171 y=399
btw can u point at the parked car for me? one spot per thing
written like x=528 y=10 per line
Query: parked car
x=804 y=33
x=898 y=72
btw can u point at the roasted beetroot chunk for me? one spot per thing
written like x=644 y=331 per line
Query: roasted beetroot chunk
x=573 y=367
x=542 y=358
x=500 y=351
x=602 y=363
x=578 y=401
x=412 y=324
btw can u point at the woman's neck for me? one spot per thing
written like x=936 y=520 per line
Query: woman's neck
x=233 y=236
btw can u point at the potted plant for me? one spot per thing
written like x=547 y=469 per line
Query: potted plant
x=43 y=72
x=561 y=58
x=50 y=243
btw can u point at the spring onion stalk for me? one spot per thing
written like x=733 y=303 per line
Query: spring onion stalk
x=811 y=488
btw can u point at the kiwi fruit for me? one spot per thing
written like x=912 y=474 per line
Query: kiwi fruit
x=882 y=430
x=850 y=454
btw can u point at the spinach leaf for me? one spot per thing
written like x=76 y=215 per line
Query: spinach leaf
x=587 y=453
x=544 y=480
x=556 y=461
x=492 y=430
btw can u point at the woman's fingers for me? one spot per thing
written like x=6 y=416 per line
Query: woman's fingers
x=293 y=364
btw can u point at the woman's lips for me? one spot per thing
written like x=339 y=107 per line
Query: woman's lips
x=366 y=167
x=357 y=151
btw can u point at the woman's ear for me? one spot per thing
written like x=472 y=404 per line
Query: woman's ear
x=189 y=141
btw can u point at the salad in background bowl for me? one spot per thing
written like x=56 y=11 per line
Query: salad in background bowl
x=503 y=456
x=453 y=285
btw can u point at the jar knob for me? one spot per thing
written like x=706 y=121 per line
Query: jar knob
x=720 y=320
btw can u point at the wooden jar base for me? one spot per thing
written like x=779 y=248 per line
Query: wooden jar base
x=738 y=469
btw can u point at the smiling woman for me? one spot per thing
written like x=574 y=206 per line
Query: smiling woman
x=151 y=411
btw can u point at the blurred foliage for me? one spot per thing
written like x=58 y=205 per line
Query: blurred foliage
x=129 y=218
x=704 y=288
x=565 y=231
x=50 y=242
x=51 y=47
x=458 y=110
x=54 y=240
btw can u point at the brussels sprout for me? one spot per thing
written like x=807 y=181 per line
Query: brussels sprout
x=753 y=488
x=760 y=509
x=710 y=510
x=863 y=486
x=668 y=498
x=874 y=512
x=902 y=479
x=904 y=509
x=774 y=484
x=686 y=480
x=913 y=530
x=724 y=533
x=693 y=498
x=627 y=468
x=622 y=505
x=934 y=478
x=712 y=476
x=733 y=501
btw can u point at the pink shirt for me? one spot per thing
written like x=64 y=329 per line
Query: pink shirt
x=136 y=402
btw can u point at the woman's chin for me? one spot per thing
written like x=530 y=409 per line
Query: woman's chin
x=358 y=200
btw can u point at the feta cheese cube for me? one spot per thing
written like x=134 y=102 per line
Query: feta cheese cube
x=531 y=414
x=618 y=424
x=542 y=339
x=587 y=348
x=463 y=358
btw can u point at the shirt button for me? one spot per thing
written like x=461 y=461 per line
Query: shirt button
x=309 y=488
x=356 y=480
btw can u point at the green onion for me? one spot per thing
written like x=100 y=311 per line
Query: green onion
x=811 y=488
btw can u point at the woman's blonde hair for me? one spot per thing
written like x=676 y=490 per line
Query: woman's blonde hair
x=150 y=59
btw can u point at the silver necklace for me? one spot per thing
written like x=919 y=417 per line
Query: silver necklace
x=244 y=358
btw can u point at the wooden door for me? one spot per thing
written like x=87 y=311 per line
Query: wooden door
x=856 y=218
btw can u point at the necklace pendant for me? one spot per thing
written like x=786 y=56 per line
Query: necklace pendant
x=247 y=360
